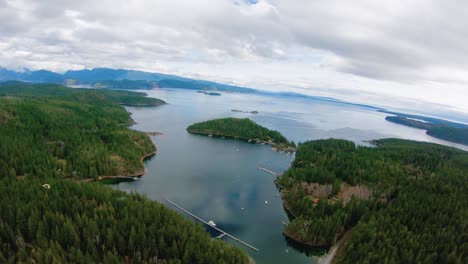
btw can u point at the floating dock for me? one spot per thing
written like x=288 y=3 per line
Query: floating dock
x=214 y=227
x=267 y=170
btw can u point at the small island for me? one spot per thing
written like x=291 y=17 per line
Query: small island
x=243 y=129
x=247 y=112
x=209 y=93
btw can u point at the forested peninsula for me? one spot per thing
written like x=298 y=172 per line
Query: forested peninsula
x=456 y=134
x=51 y=130
x=53 y=137
x=243 y=129
x=405 y=200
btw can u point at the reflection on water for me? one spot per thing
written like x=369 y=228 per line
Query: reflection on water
x=215 y=178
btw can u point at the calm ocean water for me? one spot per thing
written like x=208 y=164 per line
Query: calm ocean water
x=216 y=178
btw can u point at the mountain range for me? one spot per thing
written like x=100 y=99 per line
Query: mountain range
x=117 y=78
x=133 y=79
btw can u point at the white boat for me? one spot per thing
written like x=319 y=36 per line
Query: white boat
x=266 y=202
x=211 y=223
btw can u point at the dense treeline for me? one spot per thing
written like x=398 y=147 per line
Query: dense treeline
x=427 y=119
x=409 y=203
x=90 y=223
x=48 y=132
x=242 y=129
x=457 y=135
x=51 y=130
x=28 y=90
x=442 y=131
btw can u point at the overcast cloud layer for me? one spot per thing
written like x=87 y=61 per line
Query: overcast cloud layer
x=412 y=53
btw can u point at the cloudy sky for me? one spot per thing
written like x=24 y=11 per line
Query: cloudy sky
x=411 y=54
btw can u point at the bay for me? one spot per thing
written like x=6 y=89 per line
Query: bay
x=217 y=179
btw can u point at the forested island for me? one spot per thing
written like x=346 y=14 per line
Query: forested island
x=405 y=200
x=209 y=93
x=242 y=111
x=456 y=134
x=244 y=129
x=51 y=137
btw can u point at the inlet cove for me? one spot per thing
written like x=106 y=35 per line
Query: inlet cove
x=175 y=176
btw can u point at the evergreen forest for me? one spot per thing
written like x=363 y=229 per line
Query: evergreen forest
x=240 y=128
x=404 y=201
x=51 y=139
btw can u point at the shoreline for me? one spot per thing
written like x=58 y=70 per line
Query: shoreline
x=135 y=176
x=293 y=236
x=138 y=174
x=276 y=147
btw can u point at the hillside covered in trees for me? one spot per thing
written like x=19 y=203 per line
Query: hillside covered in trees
x=28 y=90
x=449 y=132
x=90 y=223
x=406 y=201
x=244 y=129
x=50 y=132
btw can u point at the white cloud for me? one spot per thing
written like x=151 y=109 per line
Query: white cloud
x=394 y=51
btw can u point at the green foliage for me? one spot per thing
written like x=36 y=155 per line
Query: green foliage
x=443 y=131
x=418 y=200
x=453 y=134
x=239 y=128
x=27 y=90
x=48 y=131
x=67 y=132
x=90 y=223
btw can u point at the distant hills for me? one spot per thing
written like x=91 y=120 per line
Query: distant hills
x=117 y=79
x=132 y=79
